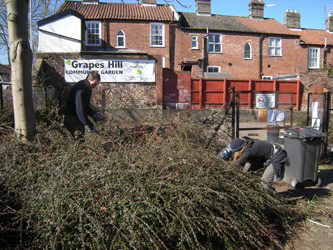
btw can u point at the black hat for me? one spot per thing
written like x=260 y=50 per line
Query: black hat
x=236 y=144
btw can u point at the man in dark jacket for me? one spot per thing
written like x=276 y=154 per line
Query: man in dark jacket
x=78 y=106
x=255 y=154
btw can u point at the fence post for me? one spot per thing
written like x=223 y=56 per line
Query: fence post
x=250 y=95
x=200 y=94
x=225 y=91
x=274 y=85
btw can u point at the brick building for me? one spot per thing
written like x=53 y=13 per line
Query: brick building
x=202 y=44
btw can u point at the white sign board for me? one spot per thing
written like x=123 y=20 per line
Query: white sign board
x=265 y=100
x=111 y=70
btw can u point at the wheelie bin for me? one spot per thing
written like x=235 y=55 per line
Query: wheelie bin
x=273 y=134
x=303 y=146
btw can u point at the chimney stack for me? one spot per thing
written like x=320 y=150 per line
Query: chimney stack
x=292 y=19
x=148 y=2
x=256 y=9
x=203 y=7
x=329 y=22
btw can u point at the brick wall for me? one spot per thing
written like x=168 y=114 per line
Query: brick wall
x=232 y=57
x=136 y=37
x=126 y=95
x=315 y=81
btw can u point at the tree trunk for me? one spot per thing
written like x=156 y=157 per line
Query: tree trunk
x=21 y=66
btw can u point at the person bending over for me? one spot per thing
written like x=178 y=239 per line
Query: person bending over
x=254 y=154
x=78 y=106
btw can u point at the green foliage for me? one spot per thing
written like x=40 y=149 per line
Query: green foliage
x=329 y=70
x=135 y=187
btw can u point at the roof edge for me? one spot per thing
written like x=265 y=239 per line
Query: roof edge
x=59 y=16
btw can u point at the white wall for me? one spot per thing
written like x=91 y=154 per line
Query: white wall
x=58 y=36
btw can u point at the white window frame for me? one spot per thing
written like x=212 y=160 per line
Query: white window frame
x=267 y=77
x=98 y=24
x=214 y=43
x=275 y=46
x=151 y=35
x=194 y=42
x=121 y=36
x=250 y=57
x=213 y=67
x=314 y=59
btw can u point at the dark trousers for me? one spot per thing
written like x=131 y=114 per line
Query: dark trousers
x=74 y=126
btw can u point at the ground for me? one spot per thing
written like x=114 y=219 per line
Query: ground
x=317 y=233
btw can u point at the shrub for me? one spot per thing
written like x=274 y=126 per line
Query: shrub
x=148 y=186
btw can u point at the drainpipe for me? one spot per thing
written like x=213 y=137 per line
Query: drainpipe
x=204 y=52
x=260 y=56
x=323 y=58
x=171 y=42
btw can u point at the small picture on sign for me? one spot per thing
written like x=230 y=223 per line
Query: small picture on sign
x=265 y=100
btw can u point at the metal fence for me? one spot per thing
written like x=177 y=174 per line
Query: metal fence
x=42 y=96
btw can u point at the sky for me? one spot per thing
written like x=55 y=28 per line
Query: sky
x=313 y=12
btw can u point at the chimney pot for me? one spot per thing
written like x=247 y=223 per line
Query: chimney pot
x=153 y=2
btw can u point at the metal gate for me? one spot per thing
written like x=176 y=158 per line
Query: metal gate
x=271 y=102
x=318 y=116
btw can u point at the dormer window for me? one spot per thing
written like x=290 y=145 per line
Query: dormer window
x=121 y=39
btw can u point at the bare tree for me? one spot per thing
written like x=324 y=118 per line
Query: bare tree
x=4 y=45
x=39 y=10
x=21 y=66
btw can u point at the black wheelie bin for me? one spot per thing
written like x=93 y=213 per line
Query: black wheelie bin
x=303 y=146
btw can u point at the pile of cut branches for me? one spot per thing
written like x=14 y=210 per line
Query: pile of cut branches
x=137 y=187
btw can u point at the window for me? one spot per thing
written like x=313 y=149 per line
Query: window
x=213 y=69
x=214 y=43
x=157 y=34
x=274 y=47
x=120 y=39
x=93 y=36
x=194 y=42
x=247 y=51
x=314 y=55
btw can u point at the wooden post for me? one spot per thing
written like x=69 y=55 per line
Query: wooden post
x=200 y=94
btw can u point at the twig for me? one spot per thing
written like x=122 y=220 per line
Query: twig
x=319 y=223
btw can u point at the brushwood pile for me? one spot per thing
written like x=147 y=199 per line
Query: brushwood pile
x=132 y=186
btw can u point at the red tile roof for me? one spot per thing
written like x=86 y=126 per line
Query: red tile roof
x=162 y=12
x=315 y=37
x=120 y=11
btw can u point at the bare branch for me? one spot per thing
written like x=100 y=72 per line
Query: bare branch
x=179 y=2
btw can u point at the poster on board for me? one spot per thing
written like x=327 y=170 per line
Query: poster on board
x=112 y=70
